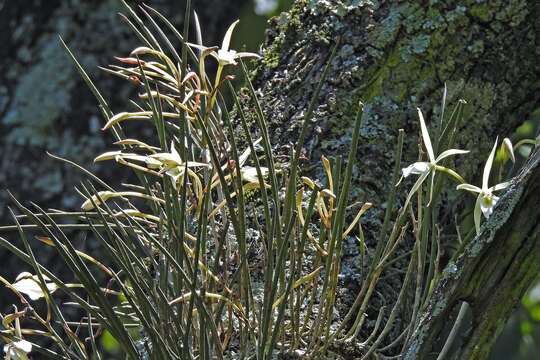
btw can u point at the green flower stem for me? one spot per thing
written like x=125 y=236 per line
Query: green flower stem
x=450 y=172
x=216 y=86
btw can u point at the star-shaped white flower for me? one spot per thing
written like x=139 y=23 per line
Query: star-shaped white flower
x=224 y=55
x=424 y=168
x=17 y=350
x=28 y=284
x=485 y=200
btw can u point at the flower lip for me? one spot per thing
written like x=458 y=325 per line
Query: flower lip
x=226 y=57
x=487 y=204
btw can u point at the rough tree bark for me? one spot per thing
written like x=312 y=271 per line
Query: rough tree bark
x=396 y=56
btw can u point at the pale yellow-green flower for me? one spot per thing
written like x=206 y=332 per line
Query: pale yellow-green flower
x=172 y=160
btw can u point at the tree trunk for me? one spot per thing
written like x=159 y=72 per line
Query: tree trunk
x=395 y=56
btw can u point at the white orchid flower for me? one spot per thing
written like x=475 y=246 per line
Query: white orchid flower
x=29 y=284
x=17 y=350
x=424 y=168
x=486 y=201
x=224 y=55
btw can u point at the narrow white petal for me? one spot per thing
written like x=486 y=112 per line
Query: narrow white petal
x=89 y=205
x=175 y=153
x=432 y=185
x=469 y=187
x=247 y=54
x=477 y=214
x=198 y=47
x=425 y=136
x=450 y=152
x=500 y=186
x=24 y=274
x=415 y=187
x=245 y=155
x=487 y=168
x=109 y=155
x=227 y=39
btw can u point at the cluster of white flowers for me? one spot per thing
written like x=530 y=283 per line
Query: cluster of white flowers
x=485 y=201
